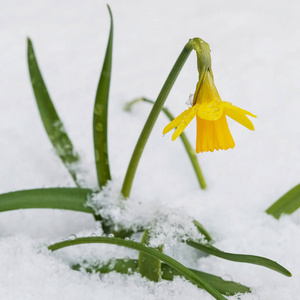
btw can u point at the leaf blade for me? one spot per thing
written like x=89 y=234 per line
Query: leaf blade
x=202 y=230
x=51 y=121
x=148 y=266
x=53 y=198
x=286 y=204
x=100 y=114
x=251 y=259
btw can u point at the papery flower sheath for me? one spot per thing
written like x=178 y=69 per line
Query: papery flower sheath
x=210 y=111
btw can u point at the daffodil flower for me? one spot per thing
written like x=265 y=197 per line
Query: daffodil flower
x=210 y=111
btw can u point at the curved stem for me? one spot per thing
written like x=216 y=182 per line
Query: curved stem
x=187 y=145
x=139 y=148
x=193 y=158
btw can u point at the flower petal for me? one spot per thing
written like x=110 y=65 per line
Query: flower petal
x=184 y=123
x=210 y=111
x=239 y=115
x=176 y=121
x=222 y=134
x=213 y=135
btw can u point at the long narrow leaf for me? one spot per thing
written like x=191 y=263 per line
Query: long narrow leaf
x=58 y=198
x=202 y=230
x=251 y=259
x=100 y=114
x=52 y=123
x=287 y=204
x=125 y=266
x=190 y=275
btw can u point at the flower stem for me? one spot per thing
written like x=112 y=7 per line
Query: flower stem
x=157 y=107
x=190 y=151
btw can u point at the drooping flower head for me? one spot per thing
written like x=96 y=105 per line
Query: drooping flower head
x=208 y=108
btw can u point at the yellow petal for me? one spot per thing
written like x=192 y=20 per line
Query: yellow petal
x=210 y=111
x=239 y=115
x=222 y=134
x=206 y=91
x=176 y=121
x=185 y=122
x=205 y=140
x=213 y=135
x=249 y=113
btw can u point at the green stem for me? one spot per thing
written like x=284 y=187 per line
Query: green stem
x=139 y=148
x=190 y=275
x=193 y=158
x=187 y=145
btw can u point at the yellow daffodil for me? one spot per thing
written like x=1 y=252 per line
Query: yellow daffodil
x=210 y=111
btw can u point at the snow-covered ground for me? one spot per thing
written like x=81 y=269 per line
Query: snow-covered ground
x=255 y=54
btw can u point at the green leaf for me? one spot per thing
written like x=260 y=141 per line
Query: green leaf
x=148 y=266
x=251 y=259
x=224 y=287
x=190 y=275
x=202 y=230
x=287 y=204
x=58 y=198
x=100 y=114
x=189 y=150
x=52 y=123
x=122 y=266
x=125 y=266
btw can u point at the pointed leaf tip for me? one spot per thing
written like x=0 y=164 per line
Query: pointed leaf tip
x=100 y=114
x=50 y=119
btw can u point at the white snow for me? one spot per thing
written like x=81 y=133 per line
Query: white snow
x=167 y=226
x=255 y=56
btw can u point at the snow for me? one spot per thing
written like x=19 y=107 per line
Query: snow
x=255 y=53
x=167 y=226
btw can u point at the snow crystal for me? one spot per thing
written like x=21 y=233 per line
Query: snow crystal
x=189 y=102
x=166 y=225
